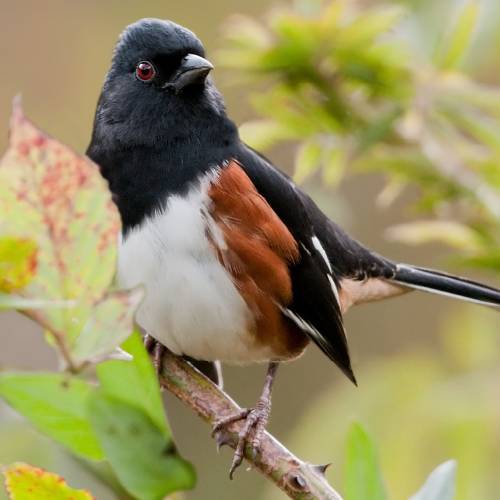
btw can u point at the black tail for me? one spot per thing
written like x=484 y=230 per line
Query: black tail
x=446 y=284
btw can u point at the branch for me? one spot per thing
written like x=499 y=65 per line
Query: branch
x=296 y=478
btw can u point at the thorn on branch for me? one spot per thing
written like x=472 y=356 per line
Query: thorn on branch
x=320 y=469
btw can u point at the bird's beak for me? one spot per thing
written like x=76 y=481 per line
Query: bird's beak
x=193 y=70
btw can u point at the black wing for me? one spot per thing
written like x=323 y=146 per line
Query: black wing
x=315 y=280
x=329 y=254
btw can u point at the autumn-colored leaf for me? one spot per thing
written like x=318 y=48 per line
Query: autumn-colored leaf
x=25 y=482
x=58 y=200
x=17 y=263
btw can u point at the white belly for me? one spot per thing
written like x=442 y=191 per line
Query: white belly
x=191 y=305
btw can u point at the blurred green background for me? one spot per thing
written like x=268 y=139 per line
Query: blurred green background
x=428 y=368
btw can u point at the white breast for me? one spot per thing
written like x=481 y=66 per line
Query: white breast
x=191 y=305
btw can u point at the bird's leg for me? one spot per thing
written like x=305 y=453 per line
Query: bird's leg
x=156 y=350
x=255 y=420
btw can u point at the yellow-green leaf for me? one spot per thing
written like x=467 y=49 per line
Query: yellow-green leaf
x=365 y=28
x=334 y=167
x=261 y=134
x=449 y=232
x=110 y=324
x=17 y=263
x=307 y=161
x=452 y=50
x=25 y=482
x=12 y=301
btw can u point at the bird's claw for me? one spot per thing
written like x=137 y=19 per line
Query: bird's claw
x=251 y=433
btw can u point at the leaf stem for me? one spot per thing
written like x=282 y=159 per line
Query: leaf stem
x=59 y=339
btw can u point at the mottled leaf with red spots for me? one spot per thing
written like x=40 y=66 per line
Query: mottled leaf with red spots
x=58 y=200
x=25 y=482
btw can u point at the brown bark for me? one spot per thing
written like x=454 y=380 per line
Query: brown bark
x=298 y=479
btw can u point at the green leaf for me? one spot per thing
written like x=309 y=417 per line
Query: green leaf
x=440 y=485
x=144 y=460
x=25 y=482
x=262 y=134
x=56 y=404
x=362 y=475
x=365 y=28
x=452 y=51
x=135 y=382
x=17 y=263
x=112 y=321
x=479 y=125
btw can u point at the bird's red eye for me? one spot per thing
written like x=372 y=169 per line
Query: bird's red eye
x=145 y=71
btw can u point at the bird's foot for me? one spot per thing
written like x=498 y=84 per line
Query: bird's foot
x=156 y=350
x=256 y=420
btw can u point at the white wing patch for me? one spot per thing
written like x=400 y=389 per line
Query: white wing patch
x=302 y=324
x=319 y=247
x=309 y=329
x=334 y=289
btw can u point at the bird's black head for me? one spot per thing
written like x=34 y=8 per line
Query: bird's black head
x=159 y=120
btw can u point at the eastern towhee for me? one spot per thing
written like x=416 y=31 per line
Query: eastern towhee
x=239 y=264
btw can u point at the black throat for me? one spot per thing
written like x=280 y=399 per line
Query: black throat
x=146 y=163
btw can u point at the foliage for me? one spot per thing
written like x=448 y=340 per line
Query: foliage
x=362 y=474
x=359 y=95
x=58 y=230
x=440 y=485
x=25 y=482
x=363 y=478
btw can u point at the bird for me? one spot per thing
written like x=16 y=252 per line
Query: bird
x=238 y=263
